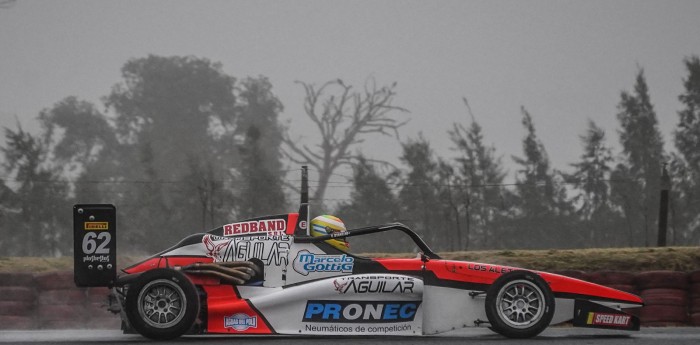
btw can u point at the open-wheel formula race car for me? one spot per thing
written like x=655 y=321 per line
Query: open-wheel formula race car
x=267 y=275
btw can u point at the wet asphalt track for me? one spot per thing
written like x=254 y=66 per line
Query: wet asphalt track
x=563 y=336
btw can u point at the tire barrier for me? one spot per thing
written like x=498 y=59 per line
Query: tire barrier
x=659 y=314
x=57 y=280
x=612 y=278
x=60 y=304
x=694 y=296
x=662 y=279
x=624 y=281
x=11 y=308
x=51 y=300
x=695 y=305
x=17 y=301
x=664 y=307
x=573 y=274
x=16 y=279
x=694 y=277
x=17 y=294
x=16 y=322
x=695 y=319
x=671 y=298
x=666 y=297
x=624 y=287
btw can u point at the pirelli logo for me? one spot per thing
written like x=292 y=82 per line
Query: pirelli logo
x=92 y=226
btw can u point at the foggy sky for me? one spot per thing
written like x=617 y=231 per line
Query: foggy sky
x=565 y=61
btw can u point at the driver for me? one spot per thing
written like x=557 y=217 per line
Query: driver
x=326 y=225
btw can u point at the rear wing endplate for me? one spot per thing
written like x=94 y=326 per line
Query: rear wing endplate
x=94 y=245
x=302 y=227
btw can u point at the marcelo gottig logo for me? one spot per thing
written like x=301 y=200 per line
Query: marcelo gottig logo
x=307 y=262
x=240 y=322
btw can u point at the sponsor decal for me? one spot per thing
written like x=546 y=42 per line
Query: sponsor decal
x=328 y=328
x=91 y=226
x=271 y=227
x=96 y=258
x=340 y=287
x=358 y=329
x=360 y=311
x=307 y=262
x=488 y=268
x=240 y=322
x=302 y=224
x=339 y=234
x=606 y=319
x=374 y=284
x=271 y=250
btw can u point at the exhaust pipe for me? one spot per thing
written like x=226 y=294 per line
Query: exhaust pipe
x=237 y=273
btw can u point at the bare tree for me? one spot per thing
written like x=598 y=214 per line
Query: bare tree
x=343 y=117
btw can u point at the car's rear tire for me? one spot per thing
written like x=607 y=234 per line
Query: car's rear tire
x=519 y=304
x=162 y=304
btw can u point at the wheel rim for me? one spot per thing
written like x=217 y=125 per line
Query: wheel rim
x=162 y=303
x=520 y=303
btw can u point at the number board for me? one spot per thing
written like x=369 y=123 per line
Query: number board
x=94 y=244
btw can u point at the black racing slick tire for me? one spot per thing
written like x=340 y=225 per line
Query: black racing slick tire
x=162 y=304
x=519 y=304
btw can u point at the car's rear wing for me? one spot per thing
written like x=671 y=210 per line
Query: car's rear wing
x=95 y=240
x=302 y=227
x=94 y=245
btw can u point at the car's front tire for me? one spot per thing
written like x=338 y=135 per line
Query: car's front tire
x=162 y=304
x=519 y=304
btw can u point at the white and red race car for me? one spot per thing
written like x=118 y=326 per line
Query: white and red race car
x=268 y=276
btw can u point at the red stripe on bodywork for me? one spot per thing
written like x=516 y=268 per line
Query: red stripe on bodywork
x=470 y=272
x=292 y=223
x=401 y=264
x=222 y=303
x=486 y=274
x=166 y=261
x=562 y=284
